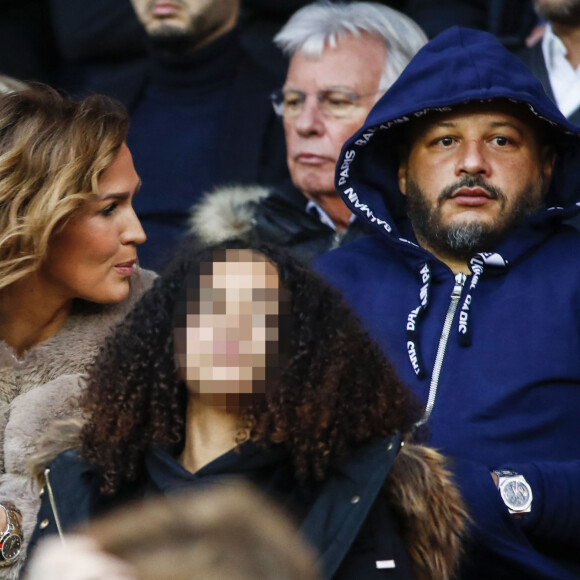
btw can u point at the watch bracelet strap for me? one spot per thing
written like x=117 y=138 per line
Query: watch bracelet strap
x=505 y=473
x=12 y=525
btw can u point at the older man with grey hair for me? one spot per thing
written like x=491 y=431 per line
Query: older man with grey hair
x=343 y=57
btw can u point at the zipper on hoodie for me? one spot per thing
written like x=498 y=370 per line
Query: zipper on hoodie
x=442 y=347
x=53 y=505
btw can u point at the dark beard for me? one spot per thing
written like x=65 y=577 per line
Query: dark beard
x=170 y=40
x=568 y=13
x=462 y=241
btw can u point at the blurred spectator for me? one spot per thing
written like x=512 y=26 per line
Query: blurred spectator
x=342 y=59
x=200 y=115
x=510 y=20
x=88 y=46
x=98 y=42
x=27 y=46
x=229 y=532
x=555 y=59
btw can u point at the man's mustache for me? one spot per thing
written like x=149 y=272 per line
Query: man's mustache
x=477 y=181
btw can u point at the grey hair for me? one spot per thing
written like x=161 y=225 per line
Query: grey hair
x=323 y=23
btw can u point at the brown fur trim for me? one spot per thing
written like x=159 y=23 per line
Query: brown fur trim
x=430 y=509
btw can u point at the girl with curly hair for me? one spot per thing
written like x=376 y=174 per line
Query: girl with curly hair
x=242 y=363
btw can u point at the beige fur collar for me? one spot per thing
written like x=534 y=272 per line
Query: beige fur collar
x=225 y=213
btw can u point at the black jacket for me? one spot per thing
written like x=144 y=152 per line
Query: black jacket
x=273 y=216
x=281 y=218
x=347 y=521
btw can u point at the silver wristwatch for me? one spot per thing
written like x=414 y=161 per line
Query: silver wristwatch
x=11 y=537
x=515 y=492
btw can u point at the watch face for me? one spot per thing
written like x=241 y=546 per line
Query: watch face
x=11 y=547
x=516 y=494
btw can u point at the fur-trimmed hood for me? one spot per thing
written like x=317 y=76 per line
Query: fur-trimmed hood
x=260 y=216
x=225 y=213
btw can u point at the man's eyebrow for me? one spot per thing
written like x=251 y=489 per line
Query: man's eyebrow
x=445 y=124
x=501 y=124
x=492 y=124
x=337 y=88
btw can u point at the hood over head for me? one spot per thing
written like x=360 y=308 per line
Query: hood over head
x=459 y=66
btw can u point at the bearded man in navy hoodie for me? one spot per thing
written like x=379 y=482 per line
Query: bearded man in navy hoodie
x=471 y=284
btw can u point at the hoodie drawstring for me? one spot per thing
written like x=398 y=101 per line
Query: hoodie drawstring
x=413 y=322
x=477 y=265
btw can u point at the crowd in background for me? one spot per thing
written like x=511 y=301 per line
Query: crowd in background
x=166 y=197
x=70 y=45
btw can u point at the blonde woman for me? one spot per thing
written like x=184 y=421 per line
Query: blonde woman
x=68 y=271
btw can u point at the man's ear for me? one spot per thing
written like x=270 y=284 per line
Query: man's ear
x=402 y=177
x=549 y=155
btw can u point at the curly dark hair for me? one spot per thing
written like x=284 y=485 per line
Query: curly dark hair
x=335 y=392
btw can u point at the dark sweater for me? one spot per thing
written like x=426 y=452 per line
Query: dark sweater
x=197 y=121
x=175 y=140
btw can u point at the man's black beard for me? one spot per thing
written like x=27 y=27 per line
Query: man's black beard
x=171 y=40
x=462 y=241
x=568 y=14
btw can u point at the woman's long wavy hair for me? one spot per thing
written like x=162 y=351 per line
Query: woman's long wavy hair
x=335 y=391
x=52 y=152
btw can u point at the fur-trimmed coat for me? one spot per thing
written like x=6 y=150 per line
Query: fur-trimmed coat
x=41 y=386
x=430 y=516
x=274 y=216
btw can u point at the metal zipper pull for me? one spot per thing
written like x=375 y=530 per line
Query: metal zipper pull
x=460 y=279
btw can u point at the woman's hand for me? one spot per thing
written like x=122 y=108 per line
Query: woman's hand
x=3 y=519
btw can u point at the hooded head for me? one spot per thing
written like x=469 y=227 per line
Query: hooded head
x=461 y=74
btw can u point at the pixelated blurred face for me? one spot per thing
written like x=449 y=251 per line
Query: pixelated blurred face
x=231 y=336
x=199 y=21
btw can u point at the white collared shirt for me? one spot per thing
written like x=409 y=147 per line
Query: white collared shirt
x=323 y=216
x=564 y=79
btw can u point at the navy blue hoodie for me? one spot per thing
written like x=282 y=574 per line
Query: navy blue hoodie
x=497 y=365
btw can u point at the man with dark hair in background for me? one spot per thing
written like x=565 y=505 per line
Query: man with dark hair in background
x=200 y=115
